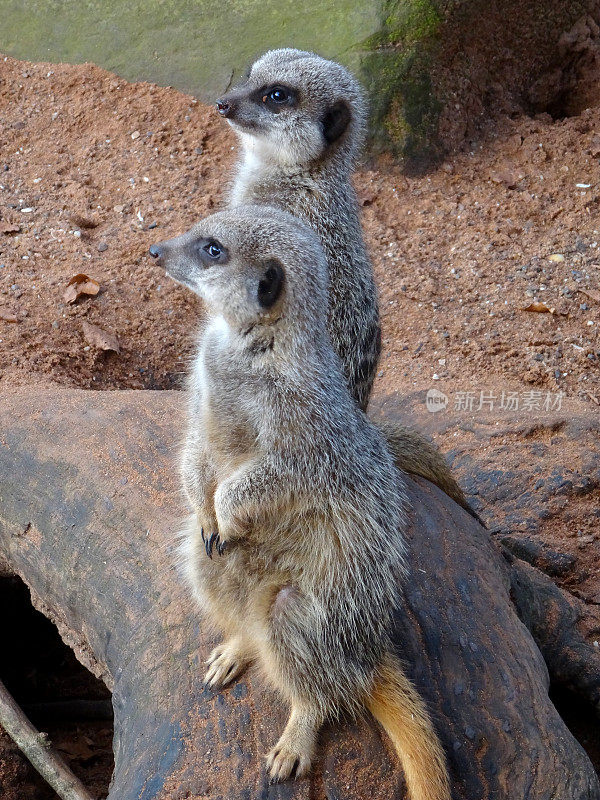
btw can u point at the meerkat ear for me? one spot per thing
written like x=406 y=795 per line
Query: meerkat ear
x=271 y=283
x=335 y=121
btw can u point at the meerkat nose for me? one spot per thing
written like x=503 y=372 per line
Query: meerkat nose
x=224 y=107
x=155 y=251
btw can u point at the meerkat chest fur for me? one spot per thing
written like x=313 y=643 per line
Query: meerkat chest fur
x=220 y=408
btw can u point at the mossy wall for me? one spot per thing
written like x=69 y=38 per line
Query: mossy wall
x=198 y=46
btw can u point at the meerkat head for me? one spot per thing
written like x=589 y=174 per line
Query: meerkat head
x=253 y=266
x=296 y=108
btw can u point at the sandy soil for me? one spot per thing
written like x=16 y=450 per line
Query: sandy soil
x=93 y=170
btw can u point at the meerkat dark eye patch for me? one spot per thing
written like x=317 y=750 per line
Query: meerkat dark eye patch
x=276 y=98
x=335 y=121
x=211 y=251
x=271 y=284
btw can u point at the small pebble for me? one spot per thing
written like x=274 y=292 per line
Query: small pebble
x=102 y=247
x=152 y=226
x=118 y=209
x=135 y=135
x=556 y=257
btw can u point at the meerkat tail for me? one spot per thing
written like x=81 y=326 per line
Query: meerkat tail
x=415 y=454
x=397 y=706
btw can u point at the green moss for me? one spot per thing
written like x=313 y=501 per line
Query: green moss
x=395 y=68
x=410 y=21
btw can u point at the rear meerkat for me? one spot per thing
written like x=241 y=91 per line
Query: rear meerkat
x=296 y=549
x=301 y=122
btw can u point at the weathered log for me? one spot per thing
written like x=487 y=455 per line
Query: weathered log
x=89 y=508
x=521 y=469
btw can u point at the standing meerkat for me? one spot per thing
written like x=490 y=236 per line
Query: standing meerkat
x=296 y=549
x=301 y=122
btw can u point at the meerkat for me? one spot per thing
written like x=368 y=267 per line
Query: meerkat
x=296 y=548
x=301 y=122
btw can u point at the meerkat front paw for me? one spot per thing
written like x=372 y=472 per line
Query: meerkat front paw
x=230 y=522
x=225 y=663
x=288 y=760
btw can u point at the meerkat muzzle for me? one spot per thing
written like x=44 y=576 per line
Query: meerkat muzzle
x=155 y=251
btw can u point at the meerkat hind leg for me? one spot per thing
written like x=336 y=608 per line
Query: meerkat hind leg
x=226 y=662
x=293 y=754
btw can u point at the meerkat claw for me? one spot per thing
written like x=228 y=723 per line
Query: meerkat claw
x=221 y=547
x=224 y=664
x=286 y=762
x=213 y=541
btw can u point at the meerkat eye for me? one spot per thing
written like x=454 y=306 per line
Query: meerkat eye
x=277 y=95
x=276 y=98
x=213 y=249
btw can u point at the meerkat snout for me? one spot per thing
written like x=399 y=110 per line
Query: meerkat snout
x=155 y=251
x=224 y=107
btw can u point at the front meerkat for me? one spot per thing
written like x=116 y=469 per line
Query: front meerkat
x=296 y=548
x=301 y=122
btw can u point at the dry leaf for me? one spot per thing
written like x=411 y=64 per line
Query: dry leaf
x=8 y=227
x=591 y=294
x=540 y=308
x=7 y=316
x=78 y=285
x=99 y=338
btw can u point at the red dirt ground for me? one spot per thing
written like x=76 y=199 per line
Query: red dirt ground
x=458 y=255
x=94 y=169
